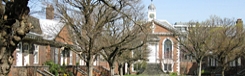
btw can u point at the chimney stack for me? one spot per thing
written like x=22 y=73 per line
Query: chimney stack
x=49 y=12
x=239 y=21
x=239 y=24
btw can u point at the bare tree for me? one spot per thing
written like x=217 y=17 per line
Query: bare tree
x=132 y=56
x=133 y=38
x=194 y=42
x=12 y=11
x=88 y=19
x=227 y=41
x=216 y=37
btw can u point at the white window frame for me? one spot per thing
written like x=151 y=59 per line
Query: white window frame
x=232 y=63
x=26 y=58
x=239 y=63
x=213 y=62
x=19 y=55
x=167 y=68
x=36 y=54
x=70 y=58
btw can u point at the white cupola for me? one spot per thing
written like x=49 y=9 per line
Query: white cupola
x=151 y=11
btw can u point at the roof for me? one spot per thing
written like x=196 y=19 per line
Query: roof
x=50 y=28
x=36 y=24
x=165 y=24
x=151 y=7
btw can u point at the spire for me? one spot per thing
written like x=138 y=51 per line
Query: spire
x=151 y=6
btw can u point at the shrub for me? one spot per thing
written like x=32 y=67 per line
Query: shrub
x=205 y=72
x=173 y=74
x=55 y=68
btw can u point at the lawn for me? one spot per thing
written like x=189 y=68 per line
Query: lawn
x=141 y=75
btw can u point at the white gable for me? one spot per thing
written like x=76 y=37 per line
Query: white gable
x=50 y=28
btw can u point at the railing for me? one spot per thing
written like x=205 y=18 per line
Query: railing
x=50 y=74
x=242 y=72
x=42 y=73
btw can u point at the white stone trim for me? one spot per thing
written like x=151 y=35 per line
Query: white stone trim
x=71 y=58
x=36 y=54
x=26 y=57
x=19 y=55
x=178 y=59
x=168 y=61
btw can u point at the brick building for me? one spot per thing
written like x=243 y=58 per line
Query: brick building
x=42 y=44
x=46 y=43
x=166 y=51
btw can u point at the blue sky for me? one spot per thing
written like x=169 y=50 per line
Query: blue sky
x=198 y=10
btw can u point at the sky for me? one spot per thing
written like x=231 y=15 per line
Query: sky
x=197 y=10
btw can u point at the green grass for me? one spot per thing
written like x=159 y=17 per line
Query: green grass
x=139 y=75
x=134 y=75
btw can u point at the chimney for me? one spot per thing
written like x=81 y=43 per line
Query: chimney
x=49 y=12
x=239 y=24
x=239 y=21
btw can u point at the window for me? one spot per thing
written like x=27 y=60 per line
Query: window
x=25 y=48
x=19 y=45
x=71 y=58
x=56 y=54
x=167 y=67
x=232 y=63
x=239 y=62
x=19 y=58
x=168 y=49
x=212 y=62
x=77 y=59
x=65 y=54
x=235 y=63
x=188 y=57
x=183 y=29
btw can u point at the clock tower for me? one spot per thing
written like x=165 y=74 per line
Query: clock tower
x=151 y=11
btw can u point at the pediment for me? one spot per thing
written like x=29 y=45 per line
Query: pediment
x=163 y=27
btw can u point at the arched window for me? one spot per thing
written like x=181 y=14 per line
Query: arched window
x=168 y=49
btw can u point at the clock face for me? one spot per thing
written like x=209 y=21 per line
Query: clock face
x=151 y=15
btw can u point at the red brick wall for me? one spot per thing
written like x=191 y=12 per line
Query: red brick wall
x=42 y=54
x=64 y=36
x=160 y=29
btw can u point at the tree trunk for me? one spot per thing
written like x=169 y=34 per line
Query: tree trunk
x=121 y=69
x=6 y=59
x=90 y=66
x=129 y=68
x=111 y=65
x=15 y=10
x=200 y=68
x=223 y=71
